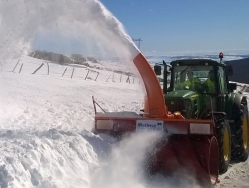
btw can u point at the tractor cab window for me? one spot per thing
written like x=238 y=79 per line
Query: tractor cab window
x=196 y=78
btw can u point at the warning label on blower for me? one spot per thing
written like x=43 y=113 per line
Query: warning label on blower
x=153 y=125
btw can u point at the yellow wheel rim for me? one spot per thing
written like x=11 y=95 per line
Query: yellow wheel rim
x=226 y=144
x=245 y=132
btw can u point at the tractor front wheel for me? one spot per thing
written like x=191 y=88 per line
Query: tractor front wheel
x=223 y=134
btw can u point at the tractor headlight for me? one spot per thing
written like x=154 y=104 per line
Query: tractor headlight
x=188 y=108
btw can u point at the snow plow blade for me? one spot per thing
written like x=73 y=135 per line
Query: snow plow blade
x=188 y=145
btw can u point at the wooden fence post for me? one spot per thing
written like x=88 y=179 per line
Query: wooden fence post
x=16 y=65
x=72 y=74
x=87 y=74
x=48 y=68
x=64 y=72
x=38 y=68
x=97 y=76
x=108 y=78
x=121 y=77
x=21 y=68
x=128 y=79
x=113 y=77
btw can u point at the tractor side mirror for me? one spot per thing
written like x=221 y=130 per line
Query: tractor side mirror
x=229 y=70
x=232 y=86
x=158 y=69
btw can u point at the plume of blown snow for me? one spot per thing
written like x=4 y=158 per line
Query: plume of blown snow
x=125 y=166
x=87 y=21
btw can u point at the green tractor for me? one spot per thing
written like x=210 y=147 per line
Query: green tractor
x=200 y=89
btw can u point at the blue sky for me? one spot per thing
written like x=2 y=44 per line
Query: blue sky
x=176 y=27
x=179 y=27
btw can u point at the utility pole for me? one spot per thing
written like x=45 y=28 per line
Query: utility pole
x=138 y=42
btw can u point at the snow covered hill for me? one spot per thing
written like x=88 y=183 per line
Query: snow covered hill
x=45 y=129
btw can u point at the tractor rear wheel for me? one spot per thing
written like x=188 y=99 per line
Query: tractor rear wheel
x=241 y=135
x=223 y=134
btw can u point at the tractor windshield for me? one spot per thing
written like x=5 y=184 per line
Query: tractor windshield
x=196 y=78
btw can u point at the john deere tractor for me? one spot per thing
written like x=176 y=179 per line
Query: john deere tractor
x=191 y=91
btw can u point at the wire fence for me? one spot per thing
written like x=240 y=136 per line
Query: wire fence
x=73 y=71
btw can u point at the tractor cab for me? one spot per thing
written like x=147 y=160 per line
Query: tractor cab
x=189 y=76
x=196 y=87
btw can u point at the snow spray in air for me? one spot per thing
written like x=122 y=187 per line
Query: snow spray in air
x=126 y=166
x=86 y=21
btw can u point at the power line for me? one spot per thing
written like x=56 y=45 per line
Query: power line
x=138 y=42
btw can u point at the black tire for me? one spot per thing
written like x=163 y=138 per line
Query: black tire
x=223 y=134
x=240 y=150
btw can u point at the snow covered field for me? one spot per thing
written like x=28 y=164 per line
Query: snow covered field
x=45 y=131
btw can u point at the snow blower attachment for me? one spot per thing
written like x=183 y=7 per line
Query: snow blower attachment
x=191 y=144
x=198 y=141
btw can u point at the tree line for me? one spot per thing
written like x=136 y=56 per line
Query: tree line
x=61 y=58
